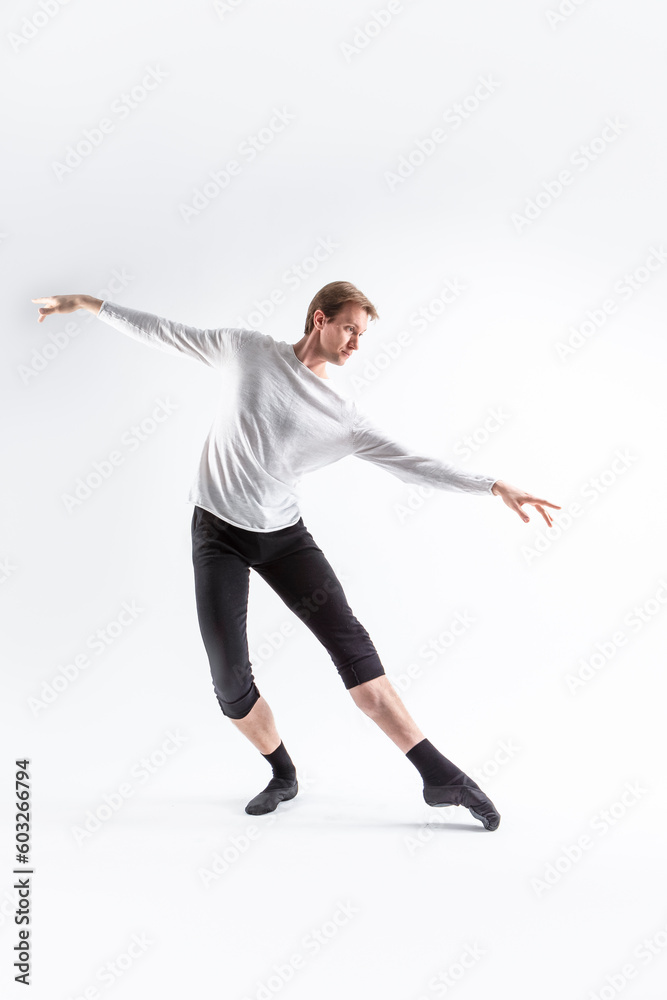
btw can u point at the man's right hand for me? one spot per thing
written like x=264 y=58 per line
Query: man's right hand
x=66 y=304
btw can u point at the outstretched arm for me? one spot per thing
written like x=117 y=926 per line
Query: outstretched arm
x=373 y=445
x=370 y=443
x=211 y=347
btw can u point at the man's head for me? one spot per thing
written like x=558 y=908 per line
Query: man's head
x=337 y=317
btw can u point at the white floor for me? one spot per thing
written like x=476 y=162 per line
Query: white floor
x=355 y=888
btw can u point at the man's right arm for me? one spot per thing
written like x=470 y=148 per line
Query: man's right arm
x=212 y=347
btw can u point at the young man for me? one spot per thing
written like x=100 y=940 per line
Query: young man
x=279 y=417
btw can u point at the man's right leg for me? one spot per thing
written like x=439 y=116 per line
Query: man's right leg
x=221 y=589
x=259 y=727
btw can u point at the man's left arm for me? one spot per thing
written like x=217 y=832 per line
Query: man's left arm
x=373 y=445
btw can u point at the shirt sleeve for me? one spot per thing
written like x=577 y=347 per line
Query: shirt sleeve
x=211 y=347
x=373 y=445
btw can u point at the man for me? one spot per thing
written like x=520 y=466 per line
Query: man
x=279 y=418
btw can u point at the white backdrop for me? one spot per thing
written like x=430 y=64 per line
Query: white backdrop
x=492 y=177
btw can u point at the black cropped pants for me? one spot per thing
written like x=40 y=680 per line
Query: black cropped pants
x=295 y=567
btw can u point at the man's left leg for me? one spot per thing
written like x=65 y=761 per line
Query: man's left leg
x=305 y=580
x=444 y=783
x=381 y=702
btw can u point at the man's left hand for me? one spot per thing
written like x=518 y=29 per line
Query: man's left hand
x=515 y=497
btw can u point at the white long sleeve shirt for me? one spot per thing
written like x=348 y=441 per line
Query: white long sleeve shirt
x=276 y=420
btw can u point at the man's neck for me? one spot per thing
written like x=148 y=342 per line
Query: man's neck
x=310 y=359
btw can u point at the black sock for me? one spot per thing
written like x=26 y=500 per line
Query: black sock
x=284 y=777
x=281 y=762
x=434 y=768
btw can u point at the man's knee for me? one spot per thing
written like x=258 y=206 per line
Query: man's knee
x=241 y=707
x=371 y=696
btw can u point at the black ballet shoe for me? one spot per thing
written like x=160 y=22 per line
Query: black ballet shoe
x=277 y=790
x=463 y=791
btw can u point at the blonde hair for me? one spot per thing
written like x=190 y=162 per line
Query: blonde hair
x=332 y=297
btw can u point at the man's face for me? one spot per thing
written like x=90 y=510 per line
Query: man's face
x=339 y=337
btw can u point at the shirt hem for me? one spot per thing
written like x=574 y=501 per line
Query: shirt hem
x=245 y=527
